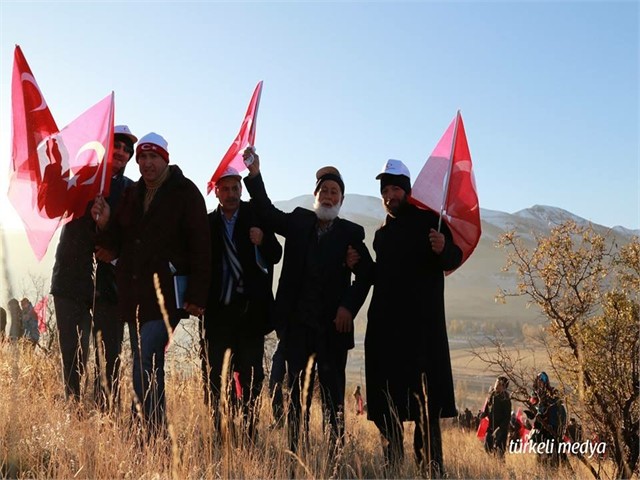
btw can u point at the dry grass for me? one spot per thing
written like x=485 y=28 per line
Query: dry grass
x=43 y=436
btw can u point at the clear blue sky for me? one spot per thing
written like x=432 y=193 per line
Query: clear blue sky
x=548 y=90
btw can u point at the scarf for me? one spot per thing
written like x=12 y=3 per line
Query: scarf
x=153 y=187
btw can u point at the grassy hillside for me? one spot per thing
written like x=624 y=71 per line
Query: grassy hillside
x=42 y=436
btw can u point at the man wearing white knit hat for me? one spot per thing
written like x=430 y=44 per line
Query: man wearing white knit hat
x=160 y=231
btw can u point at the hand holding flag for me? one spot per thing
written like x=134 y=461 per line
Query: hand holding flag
x=446 y=185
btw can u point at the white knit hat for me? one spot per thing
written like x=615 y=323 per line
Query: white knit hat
x=155 y=143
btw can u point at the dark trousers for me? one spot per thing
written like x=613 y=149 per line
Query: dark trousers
x=301 y=343
x=247 y=351
x=276 y=379
x=108 y=331
x=496 y=440
x=74 y=321
x=148 y=345
x=427 y=443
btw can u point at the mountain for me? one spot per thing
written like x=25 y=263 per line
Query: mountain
x=472 y=312
x=470 y=290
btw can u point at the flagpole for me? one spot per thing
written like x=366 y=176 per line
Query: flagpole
x=445 y=193
x=109 y=146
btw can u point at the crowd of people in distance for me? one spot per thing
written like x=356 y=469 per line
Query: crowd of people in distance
x=21 y=321
x=541 y=420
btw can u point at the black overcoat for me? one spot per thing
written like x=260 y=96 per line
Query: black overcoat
x=299 y=229
x=406 y=331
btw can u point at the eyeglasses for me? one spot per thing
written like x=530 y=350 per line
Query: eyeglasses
x=122 y=146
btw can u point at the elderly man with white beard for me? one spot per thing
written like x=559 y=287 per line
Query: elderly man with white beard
x=316 y=300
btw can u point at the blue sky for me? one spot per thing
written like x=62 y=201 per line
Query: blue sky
x=548 y=90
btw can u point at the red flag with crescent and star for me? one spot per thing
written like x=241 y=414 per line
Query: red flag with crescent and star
x=446 y=185
x=76 y=163
x=32 y=123
x=246 y=137
x=54 y=174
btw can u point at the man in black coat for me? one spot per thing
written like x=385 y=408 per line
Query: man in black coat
x=240 y=303
x=87 y=302
x=316 y=301
x=406 y=346
x=498 y=409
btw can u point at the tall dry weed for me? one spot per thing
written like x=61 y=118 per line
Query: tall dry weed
x=42 y=436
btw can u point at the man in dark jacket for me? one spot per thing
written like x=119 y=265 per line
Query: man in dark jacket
x=316 y=301
x=240 y=303
x=549 y=415
x=85 y=299
x=498 y=409
x=160 y=235
x=406 y=346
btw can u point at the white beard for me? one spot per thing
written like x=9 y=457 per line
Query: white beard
x=324 y=213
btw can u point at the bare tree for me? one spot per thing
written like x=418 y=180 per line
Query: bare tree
x=589 y=291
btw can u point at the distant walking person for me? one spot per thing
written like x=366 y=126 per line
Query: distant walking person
x=549 y=416
x=85 y=294
x=359 y=402
x=159 y=231
x=498 y=410
x=15 y=327
x=29 y=322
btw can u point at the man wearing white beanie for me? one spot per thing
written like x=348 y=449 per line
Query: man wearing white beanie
x=407 y=359
x=160 y=230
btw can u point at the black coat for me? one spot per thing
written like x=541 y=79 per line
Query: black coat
x=336 y=289
x=258 y=286
x=406 y=330
x=73 y=269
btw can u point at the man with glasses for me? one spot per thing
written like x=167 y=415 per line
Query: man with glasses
x=86 y=301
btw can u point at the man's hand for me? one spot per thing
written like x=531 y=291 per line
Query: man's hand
x=254 y=167
x=100 y=212
x=437 y=241
x=343 y=320
x=256 y=235
x=353 y=257
x=192 y=309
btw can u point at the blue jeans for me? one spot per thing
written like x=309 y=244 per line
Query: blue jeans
x=148 y=372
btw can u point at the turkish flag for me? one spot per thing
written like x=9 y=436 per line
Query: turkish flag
x=41 y=312
x=246 y=136
x=446 y=185
x=32 y=122
x=76 y=163
x=483 y=426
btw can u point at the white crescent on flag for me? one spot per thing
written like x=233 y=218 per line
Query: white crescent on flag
x=27 y=77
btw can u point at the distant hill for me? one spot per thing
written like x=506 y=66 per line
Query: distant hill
x=470 y=290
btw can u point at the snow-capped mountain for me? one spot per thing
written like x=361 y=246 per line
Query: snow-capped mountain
x=470 y=290
x=539 y=218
